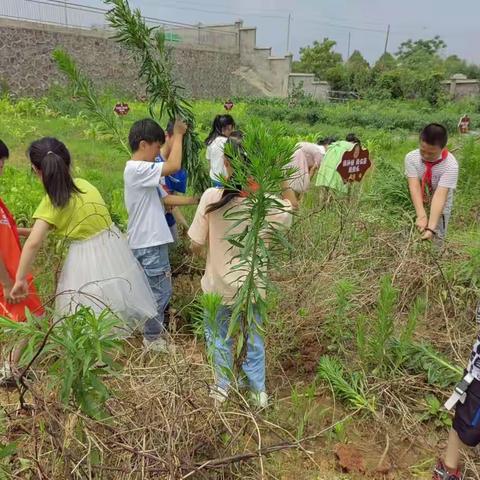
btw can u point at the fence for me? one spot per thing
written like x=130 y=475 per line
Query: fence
x=77 y=15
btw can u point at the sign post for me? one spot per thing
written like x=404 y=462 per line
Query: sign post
x=354 y=165
x=121 y=109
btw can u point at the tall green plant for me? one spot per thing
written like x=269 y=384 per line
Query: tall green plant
x=384 y=323
x=83 y=88
x=77 y=351
x=148 y=46
x=254 y=232
x=349 y=387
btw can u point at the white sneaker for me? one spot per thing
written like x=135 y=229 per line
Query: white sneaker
x=160 y=345
x=6 y=375
x=259 y=399
x=218 y=394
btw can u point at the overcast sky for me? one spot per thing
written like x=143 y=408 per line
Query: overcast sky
x=457 y=22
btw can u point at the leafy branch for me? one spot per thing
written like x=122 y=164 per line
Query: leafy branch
x=255 y=233
x=83 y=88
x=166 y=97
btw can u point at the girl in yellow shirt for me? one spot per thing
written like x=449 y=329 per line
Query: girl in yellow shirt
x=100 y=270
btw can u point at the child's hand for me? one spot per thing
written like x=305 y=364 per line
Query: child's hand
x=422 y=223
x=7 y=293
x=427 y=235
x=180 y=127
x=19 y=291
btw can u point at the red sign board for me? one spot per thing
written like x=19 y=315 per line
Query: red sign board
x=354 y=164
x=121 y=109
x=228 y=105
x=464 y=124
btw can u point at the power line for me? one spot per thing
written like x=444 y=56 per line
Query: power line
x=102 y=11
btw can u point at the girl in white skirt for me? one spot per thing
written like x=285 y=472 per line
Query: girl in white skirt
x=100 y=270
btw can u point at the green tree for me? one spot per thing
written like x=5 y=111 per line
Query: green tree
x=319 y=58
x=357 y=60
x=385 y=63
x=410 y=48
x=454 y=64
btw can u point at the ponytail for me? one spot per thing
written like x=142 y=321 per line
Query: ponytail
x=219 y=123
x=227 y=196
x=51 y=158
x=233 y=148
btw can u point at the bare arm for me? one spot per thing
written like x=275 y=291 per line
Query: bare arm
x=177 y=200
x=438 y=204
x=289 y=194
x=197 y=249
x=174 y=161
x=180 y=218
x=416 y=195
x=32 y=245
x=24 y=232
x=5 y=280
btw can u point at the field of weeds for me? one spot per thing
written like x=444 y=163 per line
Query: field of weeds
x=368 y=329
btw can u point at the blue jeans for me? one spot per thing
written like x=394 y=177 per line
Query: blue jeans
x=156 y=265
x=221 y=349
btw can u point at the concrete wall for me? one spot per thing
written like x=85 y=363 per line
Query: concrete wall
x=317 y=89
x=27 y=68
x=210 y=62
x=461 y=88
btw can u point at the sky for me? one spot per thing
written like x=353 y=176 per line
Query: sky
x=457 y=22
x=365 y=20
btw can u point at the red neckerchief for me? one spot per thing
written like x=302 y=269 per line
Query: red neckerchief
x=11 y=221
x=427 y=187
x=252 y=187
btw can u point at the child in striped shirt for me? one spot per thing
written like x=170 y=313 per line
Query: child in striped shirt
x=432 y=173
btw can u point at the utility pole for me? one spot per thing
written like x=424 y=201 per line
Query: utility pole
x=348 y=50
x=288 y=32
x=386 y=40
x=66 y=13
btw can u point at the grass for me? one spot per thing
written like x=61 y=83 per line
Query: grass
x=416 y=325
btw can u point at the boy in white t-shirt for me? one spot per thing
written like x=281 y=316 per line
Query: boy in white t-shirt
x=432 y=173
x=148 y=232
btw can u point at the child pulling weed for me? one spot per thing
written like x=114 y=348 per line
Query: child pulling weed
x=99 y=270
x=432 y=173
x=222 y=128
x=10 y=252
x=210 y=229
x=148 y=232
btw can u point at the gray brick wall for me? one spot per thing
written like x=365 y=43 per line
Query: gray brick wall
x=26 y=66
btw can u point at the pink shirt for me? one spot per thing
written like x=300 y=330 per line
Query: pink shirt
x=306 y=156
x=210 y=229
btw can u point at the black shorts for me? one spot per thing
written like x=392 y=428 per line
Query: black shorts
x=467 y=416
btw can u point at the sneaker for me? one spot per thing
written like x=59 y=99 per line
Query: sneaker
x=259 y=399
x=7 y=379
x=160 y=345
x=440 y=472
x=218 y=394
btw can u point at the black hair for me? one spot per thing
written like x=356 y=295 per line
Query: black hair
x=326 y=141
x=148 y=130
x=52 y=159
x=351 y=137
x=219 y=123
x=170 y=127
x=4 y=153
x=434 y=134
x=237 y=134
x=234 y=146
